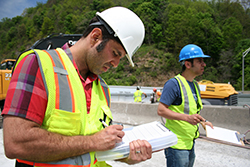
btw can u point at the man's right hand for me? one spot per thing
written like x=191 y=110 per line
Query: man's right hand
x=107 y=138
x=195 y=119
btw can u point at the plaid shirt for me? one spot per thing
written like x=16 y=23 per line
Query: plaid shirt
x=27 y=97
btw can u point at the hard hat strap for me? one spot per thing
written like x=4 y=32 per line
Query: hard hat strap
x=182 y=62
x=103 y=23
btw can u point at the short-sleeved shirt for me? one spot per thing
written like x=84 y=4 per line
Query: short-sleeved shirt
x=171 y=94
x=27 y=97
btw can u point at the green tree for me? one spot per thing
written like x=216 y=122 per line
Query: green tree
x=17 y=19
x=147 y=13
x=3 y=42
x=100 y=5
x=7 y=23
x=232 y=32
x=69 y=25
x=21 y=31
x=175 y=30
x=32 y=32
x=38 y=19
x=11 y=33
x=211 y=39
x=48 y=26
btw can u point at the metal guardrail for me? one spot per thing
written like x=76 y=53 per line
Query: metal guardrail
x=125 y=94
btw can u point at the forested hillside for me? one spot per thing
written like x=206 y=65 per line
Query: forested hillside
x=221 y=28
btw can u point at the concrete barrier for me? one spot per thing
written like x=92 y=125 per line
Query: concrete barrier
x=134 y=113
x=243 y=99
x=230 y=117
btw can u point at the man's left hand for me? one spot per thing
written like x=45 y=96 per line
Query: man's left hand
x=207 y=123
x=140 y=150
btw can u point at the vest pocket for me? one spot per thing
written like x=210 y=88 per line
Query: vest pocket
x=64 y=122
x=93 y=119
x=107 y=111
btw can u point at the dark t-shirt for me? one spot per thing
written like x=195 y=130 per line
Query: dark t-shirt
x=171 y=94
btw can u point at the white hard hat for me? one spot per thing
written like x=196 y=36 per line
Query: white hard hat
x=127 y=26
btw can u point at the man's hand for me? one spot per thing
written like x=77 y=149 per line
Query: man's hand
x=195 y=119
x=108 y=137
x=207 y=123
x=140 y=150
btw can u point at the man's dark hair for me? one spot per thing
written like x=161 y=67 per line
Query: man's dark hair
x=184 y=67
x=106 y=35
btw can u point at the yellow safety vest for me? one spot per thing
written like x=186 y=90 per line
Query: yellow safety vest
x=137 y=96
x=185 y=132
x=66 y=111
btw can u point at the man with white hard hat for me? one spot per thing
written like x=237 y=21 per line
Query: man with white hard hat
x=57 y=104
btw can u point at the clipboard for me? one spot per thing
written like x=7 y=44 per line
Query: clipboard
x=155 y=133
x=223 y=134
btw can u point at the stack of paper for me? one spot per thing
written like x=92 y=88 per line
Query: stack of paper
x=155 y=133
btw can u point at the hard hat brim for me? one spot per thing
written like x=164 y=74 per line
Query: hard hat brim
x=130 y=60
x=196 y=56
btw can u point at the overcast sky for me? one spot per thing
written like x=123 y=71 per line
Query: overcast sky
x=13 y=8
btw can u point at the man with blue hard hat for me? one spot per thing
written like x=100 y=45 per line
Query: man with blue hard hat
x=181 y=103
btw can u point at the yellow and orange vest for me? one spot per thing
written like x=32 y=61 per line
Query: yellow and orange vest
x=66 y=111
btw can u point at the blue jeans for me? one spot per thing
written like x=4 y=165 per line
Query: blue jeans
x=180 y=158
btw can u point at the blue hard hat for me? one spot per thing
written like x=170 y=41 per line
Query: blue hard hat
x=191 y=51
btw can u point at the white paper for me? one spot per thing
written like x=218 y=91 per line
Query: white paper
x=222 y=134
x=155 y=133
x=146 y=132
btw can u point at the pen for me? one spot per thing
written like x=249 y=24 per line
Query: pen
x=103 y=123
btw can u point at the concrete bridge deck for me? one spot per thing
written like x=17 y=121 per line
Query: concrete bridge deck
x=208 y=154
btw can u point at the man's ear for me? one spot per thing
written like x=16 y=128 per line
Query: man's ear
x=188 y=64
x=96 y=35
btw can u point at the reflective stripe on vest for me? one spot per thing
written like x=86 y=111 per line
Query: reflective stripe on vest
x=63 y=86
x=58 y=72
x=185 y=131
x=105 y=90
x=186 y=101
